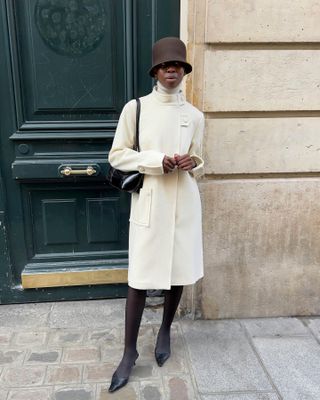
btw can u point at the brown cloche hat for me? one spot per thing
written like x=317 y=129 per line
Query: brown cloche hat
x=169 y=49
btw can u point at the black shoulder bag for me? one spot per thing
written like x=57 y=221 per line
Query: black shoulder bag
x=128 y=181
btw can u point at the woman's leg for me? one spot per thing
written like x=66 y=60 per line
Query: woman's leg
x=134 y=308
x=171 y=302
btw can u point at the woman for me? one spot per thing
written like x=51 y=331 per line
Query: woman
x=165 y=237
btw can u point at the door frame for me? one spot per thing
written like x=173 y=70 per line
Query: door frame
x=85 y=285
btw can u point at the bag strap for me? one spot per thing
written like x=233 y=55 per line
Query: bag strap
x=137 y=144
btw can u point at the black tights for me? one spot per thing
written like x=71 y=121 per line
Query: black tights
x=134 y=308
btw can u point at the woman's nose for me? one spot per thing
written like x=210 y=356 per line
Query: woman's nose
x=171 y=68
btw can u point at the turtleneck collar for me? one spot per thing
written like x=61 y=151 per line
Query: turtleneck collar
x=169 y=96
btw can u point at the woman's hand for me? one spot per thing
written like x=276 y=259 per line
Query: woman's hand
x=185 y=162
x=169 y=164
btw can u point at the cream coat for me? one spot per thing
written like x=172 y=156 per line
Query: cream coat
x=165 y=237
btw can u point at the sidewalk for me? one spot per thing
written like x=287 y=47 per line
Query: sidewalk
x=69 y=350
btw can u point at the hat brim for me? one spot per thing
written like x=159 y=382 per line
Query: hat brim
x=187 y=67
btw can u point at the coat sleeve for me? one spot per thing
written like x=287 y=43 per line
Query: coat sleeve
x=123 y=157
x=195 y=150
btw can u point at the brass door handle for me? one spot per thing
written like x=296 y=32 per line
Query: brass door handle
x=67 y=171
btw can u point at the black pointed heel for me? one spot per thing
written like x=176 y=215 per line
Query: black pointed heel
x=118 y=382
x=161 y=358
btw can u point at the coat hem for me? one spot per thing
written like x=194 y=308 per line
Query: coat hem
x=146 y=286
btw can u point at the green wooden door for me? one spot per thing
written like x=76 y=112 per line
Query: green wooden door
x=67 y=67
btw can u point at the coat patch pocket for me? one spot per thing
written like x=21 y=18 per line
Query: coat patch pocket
x=141 y=208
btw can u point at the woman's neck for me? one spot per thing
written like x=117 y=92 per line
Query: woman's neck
x=162 y=89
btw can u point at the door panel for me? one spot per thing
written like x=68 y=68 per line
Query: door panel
x=70 y=58
x=69 y=66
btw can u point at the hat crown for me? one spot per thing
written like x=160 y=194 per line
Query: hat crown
x=169 y=49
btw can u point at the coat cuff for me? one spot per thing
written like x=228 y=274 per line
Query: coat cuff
x=154 y=166
x=198 y=170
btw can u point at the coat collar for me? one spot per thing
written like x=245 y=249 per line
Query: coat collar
x=176 y=99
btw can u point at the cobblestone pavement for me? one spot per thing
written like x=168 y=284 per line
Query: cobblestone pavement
x=69 y=350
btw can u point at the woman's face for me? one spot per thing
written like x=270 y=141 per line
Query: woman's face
x=170 y=74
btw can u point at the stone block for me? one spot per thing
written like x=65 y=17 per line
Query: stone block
x=24 y=315
x=222 y=358
x=179 y=388
x=65 y=338
x=263 y=21
x=8 y=357
x=241 y=396
x=74 y=393
x=87 y=314
x=262 y=145
x=43 y=357
x=23 y=376
x=81 y=354
x=112 y=355
x=293 y=364
x=63 y=374
x=106 y=337
x=275 y=327
x=98 y=372
x=261 y=80
x=30 y=338
x=151 y=390
x=145 y=370
x=30 y=394
x=129 y=392
x=5 y=339
x=314 y=326
x=262 y=253
x=4 y=394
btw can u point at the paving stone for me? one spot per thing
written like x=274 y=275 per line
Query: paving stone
x=274 y=326
x=175 y=365
x=177 y=362
x=44 y=357
x=62 y=338
x=63 y=374
x=314 y=325
x=23 y=316
x=129 y=392
x=3 y=395
x=98 y=373
x=106 y=337
x=222 y=359
x=146 y=352
x=85 y=354
x=239 y=396
x=87 y=314
x=30 y=338
x=5 y=339
x=30 y=394
x=74 y=393
x=179 y=388
x=144 y=370
x=23 y=376
x=293 y=364
x=152 y=316
x=11 y=357
x=152 y=391
x=112 y=354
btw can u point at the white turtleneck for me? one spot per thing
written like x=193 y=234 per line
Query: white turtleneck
x=169 y=96
x=163 y=90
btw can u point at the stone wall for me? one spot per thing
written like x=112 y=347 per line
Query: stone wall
x=256 y=77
